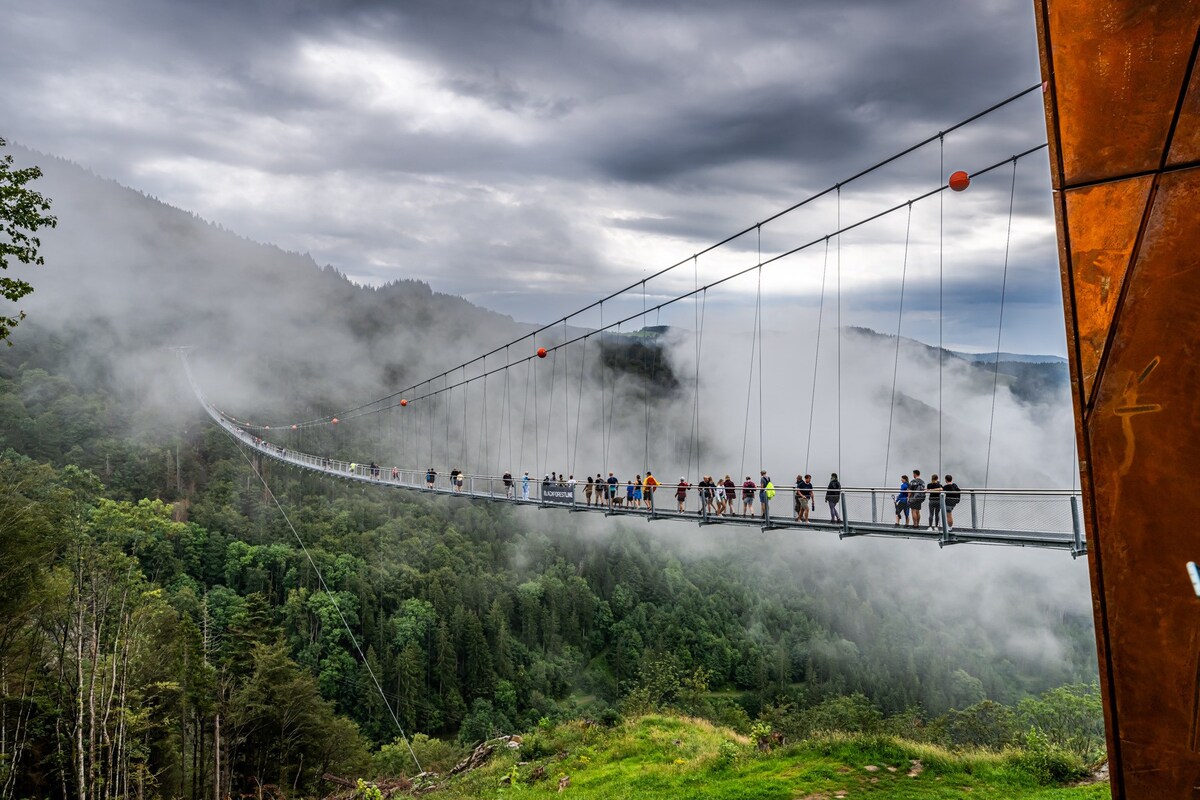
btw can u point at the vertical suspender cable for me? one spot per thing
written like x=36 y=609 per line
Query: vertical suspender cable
x=812 y=403
x=1000 y=325
x=761 y=343
x=887 y=453
x=525 y=417
x=550 y=405
x=579 y=406
x=537 y=417
x=645 y=382
x=941 y=273
x=603 y=393
x=567 y=405
x=839 y=330
x=612 y=404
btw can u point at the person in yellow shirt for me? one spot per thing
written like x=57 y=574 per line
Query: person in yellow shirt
x=651 y=484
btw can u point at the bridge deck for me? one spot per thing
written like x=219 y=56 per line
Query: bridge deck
x=1029 y=518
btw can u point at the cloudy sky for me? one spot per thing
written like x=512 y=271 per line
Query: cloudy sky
x=532 y=155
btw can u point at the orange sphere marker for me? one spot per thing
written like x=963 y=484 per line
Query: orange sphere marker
x=541 y=352
x=960 y=181
x=403 y=403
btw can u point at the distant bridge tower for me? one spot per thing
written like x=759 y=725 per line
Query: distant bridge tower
x=1123 y=111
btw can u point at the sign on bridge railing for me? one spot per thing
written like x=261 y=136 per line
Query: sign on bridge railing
x=558 y=494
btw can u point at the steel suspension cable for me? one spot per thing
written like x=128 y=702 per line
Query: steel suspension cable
x=567 y=407
x=755 y=346
x=941 y=274
x=761 y=347
x=645 y=383
x=812 y=403
x=839 y=332
x=332 y=599
x=1000 y=325
x=887 y=453
x=732 y=237
x=579 y=407
x=734 y=275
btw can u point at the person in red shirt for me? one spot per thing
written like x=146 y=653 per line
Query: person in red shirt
x=748 y=488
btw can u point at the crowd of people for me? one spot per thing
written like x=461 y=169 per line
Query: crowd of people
x=717 y=497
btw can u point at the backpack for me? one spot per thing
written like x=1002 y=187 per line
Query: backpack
x=916 y=491
x=770 y=491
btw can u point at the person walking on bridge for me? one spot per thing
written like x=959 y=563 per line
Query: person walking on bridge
x=951 y=494
x=730 y=495
x=935 y=502
x=916 y=497
x=587 y=490
x=651 y=484
x=748 y=487
x=508 y=484
x=525 y=488
x=681 y=493
x=833 y=496
x=902 y=502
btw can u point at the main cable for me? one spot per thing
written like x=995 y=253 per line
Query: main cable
x=720 y=281
x=800 y=204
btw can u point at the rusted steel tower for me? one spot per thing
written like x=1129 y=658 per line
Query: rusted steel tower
x=1123 y=112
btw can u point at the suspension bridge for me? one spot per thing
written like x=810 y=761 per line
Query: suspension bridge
x=1124 y=164
x=1026 y=517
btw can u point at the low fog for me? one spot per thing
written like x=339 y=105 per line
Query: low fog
x=279 y=339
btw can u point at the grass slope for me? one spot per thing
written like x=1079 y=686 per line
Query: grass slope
x=672 y=757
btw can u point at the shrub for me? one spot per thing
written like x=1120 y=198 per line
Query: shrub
x=1045 y=761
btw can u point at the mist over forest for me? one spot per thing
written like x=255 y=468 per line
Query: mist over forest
x=479 y=616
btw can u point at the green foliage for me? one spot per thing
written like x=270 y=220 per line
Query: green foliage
x=986 y=724
x=1069 y=717
x=727 y=754
x=367 y=791
x=1045 y=761
x=434 y=755
x=22 y=214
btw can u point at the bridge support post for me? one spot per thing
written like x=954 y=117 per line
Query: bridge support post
x=874 y=507
x=845 y=516
x=947 y=537
x=1079 y=548
x=974 y=510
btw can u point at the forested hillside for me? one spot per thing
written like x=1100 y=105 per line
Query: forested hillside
x=163 y=627
x=153 y=590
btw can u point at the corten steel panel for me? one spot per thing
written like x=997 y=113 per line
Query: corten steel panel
x=1145 y=452
x=1119 y=66
x=1104 y=222
x=1138 y=348
x=1185 y=145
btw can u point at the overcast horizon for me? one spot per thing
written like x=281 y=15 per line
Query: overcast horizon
x=532 y=157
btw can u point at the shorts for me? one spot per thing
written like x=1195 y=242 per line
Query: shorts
x=915 y=505
x=637 y=494
x=801 y=503
x=901 y=506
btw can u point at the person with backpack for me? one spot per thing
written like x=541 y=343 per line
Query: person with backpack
x=833 y=496
x=766 y=493
x=508 y=484
x=681 y=493
x=951 y=494
x=916 y=497
x=612 y=489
